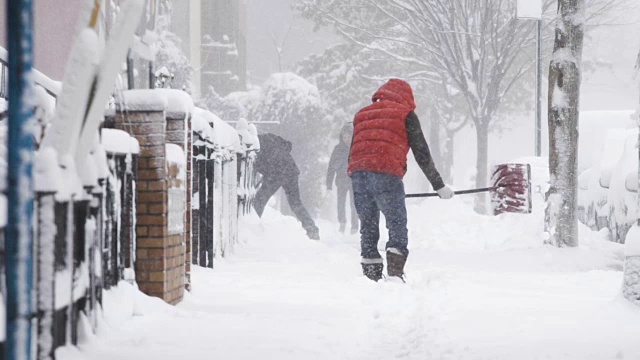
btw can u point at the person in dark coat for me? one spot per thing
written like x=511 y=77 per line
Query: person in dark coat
x=278 y=169
x=383 y=134
x=338 y=169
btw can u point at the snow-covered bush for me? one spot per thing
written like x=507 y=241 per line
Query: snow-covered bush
x=289 y=106
x=296 y=104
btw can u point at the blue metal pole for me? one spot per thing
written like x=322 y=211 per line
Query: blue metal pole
x=19 y=232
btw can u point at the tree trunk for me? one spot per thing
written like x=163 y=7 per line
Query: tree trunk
x=447 y=158
x=561 y=221
x=482 y=161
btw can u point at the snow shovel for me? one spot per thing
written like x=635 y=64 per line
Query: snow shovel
x=510 y=190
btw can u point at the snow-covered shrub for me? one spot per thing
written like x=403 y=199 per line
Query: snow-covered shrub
x=296 y=104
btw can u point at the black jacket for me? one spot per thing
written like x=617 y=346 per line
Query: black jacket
x=421 y=151
x=274 y=158
x=338 y=166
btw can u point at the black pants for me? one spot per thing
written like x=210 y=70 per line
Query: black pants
x=290 y=185
x=342 y=199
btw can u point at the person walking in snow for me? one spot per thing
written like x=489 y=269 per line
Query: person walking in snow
x=338 y=169
x=383 y=134
x=278 y=169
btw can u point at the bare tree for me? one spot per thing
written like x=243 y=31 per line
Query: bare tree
x=478 y=46
x=561 y=223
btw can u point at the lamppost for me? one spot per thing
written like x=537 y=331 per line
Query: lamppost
x=532 y=9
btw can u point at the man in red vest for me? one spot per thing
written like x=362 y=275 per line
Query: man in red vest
x=383 y=134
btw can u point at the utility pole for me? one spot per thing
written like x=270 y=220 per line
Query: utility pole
x=20 y=188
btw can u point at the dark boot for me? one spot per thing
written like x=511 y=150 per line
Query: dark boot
x=372 y=268
x=313 y=233
x=395 y=263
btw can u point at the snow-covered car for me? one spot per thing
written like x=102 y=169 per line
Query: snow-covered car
x=594 y=199
x=622 y=196
x=607 y=192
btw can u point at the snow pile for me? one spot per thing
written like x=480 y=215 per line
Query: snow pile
x=468 y=296
x=178 y=101
x=141 y=100
x=224 y=136
x=248 y=134
x=119 y=142
x=200 y=126
x=170 y=100
x=48 y=177
x=175 y=155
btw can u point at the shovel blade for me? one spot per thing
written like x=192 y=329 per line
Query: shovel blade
x=511 y=192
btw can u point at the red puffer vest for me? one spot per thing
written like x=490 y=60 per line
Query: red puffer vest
x=380 y=141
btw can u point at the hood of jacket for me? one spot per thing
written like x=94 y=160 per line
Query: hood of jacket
x=397 y=91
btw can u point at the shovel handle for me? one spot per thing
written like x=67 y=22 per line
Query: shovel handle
x=461 y=192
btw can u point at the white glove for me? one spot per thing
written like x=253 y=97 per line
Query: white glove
x=445 y=192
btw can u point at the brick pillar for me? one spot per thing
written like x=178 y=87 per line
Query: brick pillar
x=158 y=273
x=178 y=133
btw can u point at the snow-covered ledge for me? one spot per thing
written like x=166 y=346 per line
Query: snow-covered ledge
x=631 y=284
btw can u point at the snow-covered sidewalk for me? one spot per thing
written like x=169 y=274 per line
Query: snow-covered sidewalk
x=478 y=288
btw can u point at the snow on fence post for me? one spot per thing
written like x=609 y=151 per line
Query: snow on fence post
x=250 y=144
